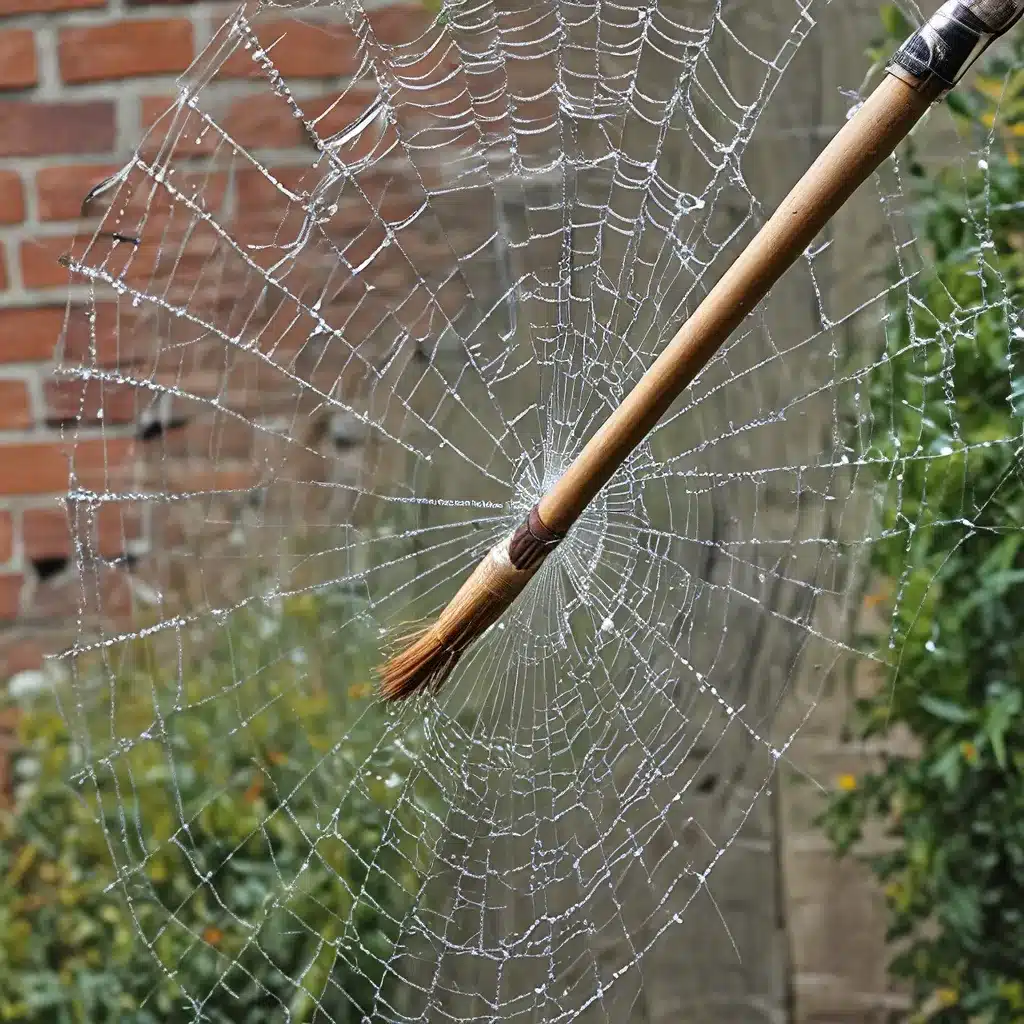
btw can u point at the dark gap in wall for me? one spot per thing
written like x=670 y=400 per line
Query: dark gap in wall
x=47 y=568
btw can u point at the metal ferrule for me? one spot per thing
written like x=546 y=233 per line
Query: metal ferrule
x=939 y=54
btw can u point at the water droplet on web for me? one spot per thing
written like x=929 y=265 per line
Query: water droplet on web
x=608 y=625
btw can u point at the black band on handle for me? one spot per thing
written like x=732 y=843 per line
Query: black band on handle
x=939 y=53
x=532 y=542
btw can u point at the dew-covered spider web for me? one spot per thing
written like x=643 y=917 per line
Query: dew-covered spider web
x=364 y=289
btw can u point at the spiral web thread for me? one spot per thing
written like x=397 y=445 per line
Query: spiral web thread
x=351 y=365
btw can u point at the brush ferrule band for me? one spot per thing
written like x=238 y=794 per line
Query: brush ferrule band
x=532 y=542
x=939 y=54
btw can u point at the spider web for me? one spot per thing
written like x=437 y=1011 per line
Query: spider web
x=352 y=364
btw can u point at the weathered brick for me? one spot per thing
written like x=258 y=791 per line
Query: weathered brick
x=838 y=921
x=50 y=129
x=43 y=467
x=10 y=595
x=125 y=49
x=49 y=532
x=301 y=49
x=18 y=69
x=255 y=190
x=12 y=198
x=29 y=334
x=6 y=535
x=21 y=653
x=46 y=6
x=61 y=189
x=42 y=266
x=15 y=408
x=100 y=335
x=175 y=132
x=184 y=479
x=268 y=124
x=107 y=593
x=92 y=401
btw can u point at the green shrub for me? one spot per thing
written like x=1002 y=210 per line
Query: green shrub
x=946 y=421
x=307 y=823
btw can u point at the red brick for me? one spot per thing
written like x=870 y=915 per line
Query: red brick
x=15 y=409
x=172 y=131
x=10 y=596
x=107 y=595
x=263 y=125
x=45 y=533
x=83 y=401
x=62 y=189
x=48 y=532
x=39 y=262
x=301 y=49
x=18 y=68
x=106 y=340
x=43 y=468
x=41 y=266
x=46 y=6
x=12 y=198
x=185 y=479
x=125 y=49
x=29 y=335
x=401 y=23
x=19 y=654
x=6 y=536
x=137 y=204
x=50 y=129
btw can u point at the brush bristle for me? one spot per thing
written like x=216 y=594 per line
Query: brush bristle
x=428 y=659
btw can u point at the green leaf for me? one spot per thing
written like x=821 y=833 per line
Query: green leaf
x=946 y=710
x=895 y=24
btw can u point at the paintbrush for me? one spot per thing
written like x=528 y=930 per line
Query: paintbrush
x=927 y=66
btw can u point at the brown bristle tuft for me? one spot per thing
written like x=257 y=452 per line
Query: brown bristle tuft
x=430 y=656
x=429 y=659
x=414 y=668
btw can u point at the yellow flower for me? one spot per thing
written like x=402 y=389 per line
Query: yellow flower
x=970 y=752
x=847 y=782
x=948 y=996
x=360 y=690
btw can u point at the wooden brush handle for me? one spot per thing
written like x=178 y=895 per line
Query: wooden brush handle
x=849 y=159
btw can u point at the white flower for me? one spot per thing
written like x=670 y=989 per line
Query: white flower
x=28 y=683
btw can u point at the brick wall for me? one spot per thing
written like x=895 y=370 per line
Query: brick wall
x=144 y=400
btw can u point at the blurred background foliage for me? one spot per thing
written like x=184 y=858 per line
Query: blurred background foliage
x=945 y=426
x=251 y=826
